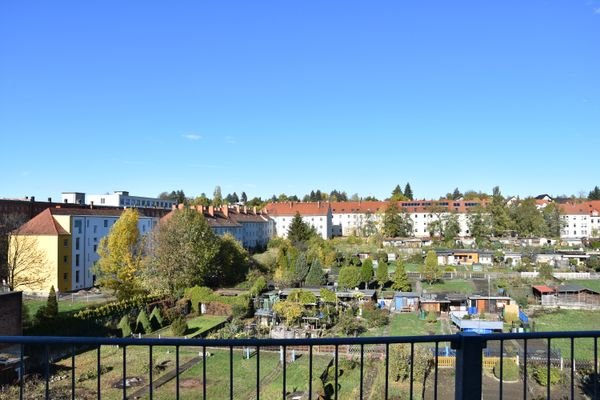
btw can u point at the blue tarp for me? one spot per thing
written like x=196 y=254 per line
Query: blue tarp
x=524 y=318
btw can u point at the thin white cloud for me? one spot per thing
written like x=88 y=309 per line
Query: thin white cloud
x=192 y=136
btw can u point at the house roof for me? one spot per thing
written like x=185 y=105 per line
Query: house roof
x=543 y=289
x=584 y=208
x=406 y=294
x=42 y=224
x=573 y=289
x=291 y=208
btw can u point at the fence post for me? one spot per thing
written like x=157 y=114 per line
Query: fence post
x=469 y=365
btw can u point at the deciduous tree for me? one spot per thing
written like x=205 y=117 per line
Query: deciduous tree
x=400 y=280
x=430 y=270
x=366 y=271
x=349 y=277
x=121 y=253
x=382 y=274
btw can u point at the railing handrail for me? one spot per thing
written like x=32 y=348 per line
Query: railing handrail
x=339 y=341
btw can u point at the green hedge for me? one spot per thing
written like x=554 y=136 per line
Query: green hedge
x=116 y=309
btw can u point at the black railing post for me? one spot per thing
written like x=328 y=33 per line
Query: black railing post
x=469 y=363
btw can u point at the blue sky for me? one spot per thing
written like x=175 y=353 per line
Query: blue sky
x=287 y=96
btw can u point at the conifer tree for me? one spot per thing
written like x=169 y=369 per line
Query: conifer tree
x=315 y=276
x=366 y=271
x=408 y=193
x=51 y=310
x=382 y=274
x=401 y=282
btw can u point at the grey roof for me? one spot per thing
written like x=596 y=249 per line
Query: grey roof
x=573 y=289
x=406 y=294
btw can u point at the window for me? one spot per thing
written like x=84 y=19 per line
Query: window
x=66 y=242
x=65 y=259
x=95 y=248
x=78 y=226
x=95 y=228
x=76 y=276
x=102 y=200
x=77 y=260
x=76 y=243
x=106 y=223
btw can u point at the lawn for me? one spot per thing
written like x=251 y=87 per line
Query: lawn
x=450 y=286
x=405 y=324
x=196 y=326
x=64 y=305
x=570 y=320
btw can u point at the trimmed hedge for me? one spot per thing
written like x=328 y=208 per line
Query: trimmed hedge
x=116 y=309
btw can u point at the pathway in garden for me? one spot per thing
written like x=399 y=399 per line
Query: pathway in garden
x=167 y=377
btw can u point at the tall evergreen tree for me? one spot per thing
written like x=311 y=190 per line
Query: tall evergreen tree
x=501 y=222
x=382 y=274
x=456 y=194
x=217 y=196
x=400 y=280
x=299 y=231
x=315 y=277
x=235 y=198
x=395 y=222
x=397 y=194
x=430 y=270
x=51 y=310
x=408 y=193
x=244 y=197
x=594 y=194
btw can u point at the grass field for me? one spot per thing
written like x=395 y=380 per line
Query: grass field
x=451 y=286
x=64 y=306
x=570 y=320
x=405 y=324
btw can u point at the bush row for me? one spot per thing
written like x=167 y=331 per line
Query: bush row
x=116 y=309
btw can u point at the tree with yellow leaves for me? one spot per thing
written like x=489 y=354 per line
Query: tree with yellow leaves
x=121 y=254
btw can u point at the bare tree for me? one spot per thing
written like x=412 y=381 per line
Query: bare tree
x=26 y=263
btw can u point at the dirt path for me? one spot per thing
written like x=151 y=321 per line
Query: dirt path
x=165 y=378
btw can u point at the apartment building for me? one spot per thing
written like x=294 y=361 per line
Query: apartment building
x=580 y=220
x=69 y=240
x=117 y=199
x=316 y=214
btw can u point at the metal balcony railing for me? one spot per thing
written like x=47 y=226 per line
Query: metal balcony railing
x=469 y=355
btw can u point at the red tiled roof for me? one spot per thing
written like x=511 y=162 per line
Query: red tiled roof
x=543 y=289
x=411 y=206
x=291 y=208
x=584 y=208
x=42 y=224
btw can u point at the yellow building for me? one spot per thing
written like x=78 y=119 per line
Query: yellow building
x=59 y=247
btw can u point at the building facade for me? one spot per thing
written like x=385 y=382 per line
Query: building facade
x=117 y=199
x=316 y=214
x=69 y=238
x=580 y=220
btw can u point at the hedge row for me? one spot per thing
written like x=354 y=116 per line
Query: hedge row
x=116 y=309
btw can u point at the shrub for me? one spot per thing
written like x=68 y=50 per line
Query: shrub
x=179 y=326
x=540 y=374
x=156 y=318
x=142 y=323
x=510 y=370
x=124 y=326
x=431 y=318
x=375 y=317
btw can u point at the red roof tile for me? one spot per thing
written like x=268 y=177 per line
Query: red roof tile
x=42 y=224
x=291 y=208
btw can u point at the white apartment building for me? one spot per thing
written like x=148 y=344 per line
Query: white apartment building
x=317 y=214
x=87 y=228
x=117 y=199
x=580 y=220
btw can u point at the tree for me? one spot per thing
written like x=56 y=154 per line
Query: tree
x=230 y=265
x=501 y=222
x=552 y=218
x=184 y=252
x=456 y=194
x=121 y=253
x=527 y=220
x=430 y=270
x=397 y=194
x=366 y=271
x=594 y=194
x=479 y=223
x=244 y=198
x=51 y=304
x=396 y=223
x=349 y=277
x=408 y=193
x=382 y=274
x=217 y=196
x=451 y=227
x=299 y=231
x=291 y=311
x=315 y=277
x=400 y=280
x=26 y=264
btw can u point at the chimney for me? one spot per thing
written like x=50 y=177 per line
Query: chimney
x=254 y=209
x=318 y=204
x=245 y=210
x=66 y=201
x=237 y=208
x=49 y=199
x=211 y=210
x=225 y=210
x=91 y=204
x=181 y=206
x=173 y=206
x=200 y=208
x=32 y=199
